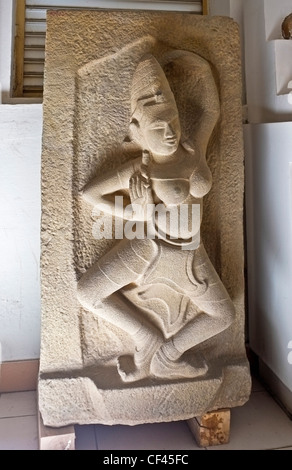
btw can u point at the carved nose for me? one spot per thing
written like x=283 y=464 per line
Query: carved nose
x=169 y=132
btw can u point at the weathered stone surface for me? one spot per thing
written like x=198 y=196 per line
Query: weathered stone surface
x=143 y=330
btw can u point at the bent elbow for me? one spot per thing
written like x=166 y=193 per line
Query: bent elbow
x=91 y=195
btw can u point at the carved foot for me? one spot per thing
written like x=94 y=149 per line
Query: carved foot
x=164 y=367
x=128 y=371
x=137 y=367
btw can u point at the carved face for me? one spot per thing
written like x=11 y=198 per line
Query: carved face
x=160 y=127
x=155 y=118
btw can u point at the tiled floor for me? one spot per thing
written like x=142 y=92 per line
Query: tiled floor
x=259 y=425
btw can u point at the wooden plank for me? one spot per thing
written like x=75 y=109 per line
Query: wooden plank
x=55 y=438
x=19 y=376
x=17 y=90
x=205 y=7
x=191 y=5
x=211 y=429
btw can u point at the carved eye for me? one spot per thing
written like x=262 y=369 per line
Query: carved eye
x=157 y=126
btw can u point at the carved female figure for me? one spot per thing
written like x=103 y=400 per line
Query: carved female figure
x=167 y=299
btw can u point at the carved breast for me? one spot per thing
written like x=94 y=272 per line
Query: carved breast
x=171 y=191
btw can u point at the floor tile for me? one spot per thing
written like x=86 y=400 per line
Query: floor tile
x=18 y=404
x=85 y=438
x=258 y=425
x=19 y=433
x=161 y=436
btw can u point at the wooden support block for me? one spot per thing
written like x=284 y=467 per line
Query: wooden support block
x=212 y=428
x=19 y=376
x=56 y=438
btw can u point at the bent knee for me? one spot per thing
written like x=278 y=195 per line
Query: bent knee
x=86 y=295
x=223 y=313
x=93 y=288
x=226 y=314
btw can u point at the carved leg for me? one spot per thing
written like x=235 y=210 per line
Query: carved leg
x=217 y=314
x=211 y=429
x=123 y=265
x=147 y=339
x=167 y=362
x=100 y=290
x=132 y=368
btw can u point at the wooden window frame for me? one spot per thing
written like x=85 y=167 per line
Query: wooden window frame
x=18 y=62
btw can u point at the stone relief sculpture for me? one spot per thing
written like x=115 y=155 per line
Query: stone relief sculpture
x=162 y=290
x=143 y=301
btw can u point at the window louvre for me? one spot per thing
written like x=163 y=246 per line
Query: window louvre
x=30 y=34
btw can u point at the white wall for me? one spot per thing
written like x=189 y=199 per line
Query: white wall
x=269 y=241
x=220 y=7
x=268 y=186
x=20 y=196
x=20 y=200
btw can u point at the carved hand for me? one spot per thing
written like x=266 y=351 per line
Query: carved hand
x=141 y=191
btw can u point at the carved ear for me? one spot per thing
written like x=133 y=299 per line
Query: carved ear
x=134 y=122
x=135 y=132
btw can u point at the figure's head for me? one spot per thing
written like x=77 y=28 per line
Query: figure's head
x=155 y=121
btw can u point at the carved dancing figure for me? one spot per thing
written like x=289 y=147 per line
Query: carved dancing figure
x=181 y=284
